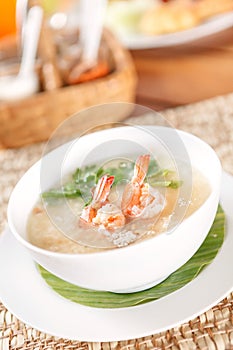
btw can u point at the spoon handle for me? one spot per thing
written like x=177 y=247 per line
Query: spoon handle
x=21 y=14
x=92 y=16
x=31 y=38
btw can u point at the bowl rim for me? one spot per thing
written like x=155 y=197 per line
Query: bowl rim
x=106 y=251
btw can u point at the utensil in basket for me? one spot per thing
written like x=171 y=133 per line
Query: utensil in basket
x=91 y=26
x=26 y=82
x=21 y=16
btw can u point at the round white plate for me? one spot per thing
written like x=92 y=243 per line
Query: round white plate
x=26 y=295
x=214 y=25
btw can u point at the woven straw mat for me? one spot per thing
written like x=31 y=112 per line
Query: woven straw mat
x=211 y=120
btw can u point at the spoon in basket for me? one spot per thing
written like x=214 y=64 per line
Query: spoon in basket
x=91 y=26
x=26 y=82
x=21 y=15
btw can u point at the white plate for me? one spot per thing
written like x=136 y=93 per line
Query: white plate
x=28 y=297
x=214 y=25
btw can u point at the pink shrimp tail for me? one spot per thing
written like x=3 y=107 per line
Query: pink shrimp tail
x=130 y=203
x=100 y=195
x=140 y=169
x=87 y=215
x=102 y=189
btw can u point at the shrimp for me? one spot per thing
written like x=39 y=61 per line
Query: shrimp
x=109 y=217
x=139 y=198
x=100 y=212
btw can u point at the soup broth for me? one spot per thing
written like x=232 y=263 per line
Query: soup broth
x=44 y=234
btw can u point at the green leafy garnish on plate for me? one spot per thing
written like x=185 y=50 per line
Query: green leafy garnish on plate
x=178 y=279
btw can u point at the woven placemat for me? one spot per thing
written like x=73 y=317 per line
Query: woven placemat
x=211 y=120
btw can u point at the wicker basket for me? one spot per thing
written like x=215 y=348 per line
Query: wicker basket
x=35 y=118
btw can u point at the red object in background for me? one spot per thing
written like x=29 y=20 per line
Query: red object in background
x=7 y=17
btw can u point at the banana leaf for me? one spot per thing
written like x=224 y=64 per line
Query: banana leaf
x=185 y=274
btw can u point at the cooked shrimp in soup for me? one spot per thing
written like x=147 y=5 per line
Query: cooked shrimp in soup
x=112 y=206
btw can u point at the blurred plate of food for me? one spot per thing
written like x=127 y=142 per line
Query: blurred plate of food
x=144 y=24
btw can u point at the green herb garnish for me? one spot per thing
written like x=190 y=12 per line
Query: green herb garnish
x=170 y=183
x=80 y=185
x=83 y=180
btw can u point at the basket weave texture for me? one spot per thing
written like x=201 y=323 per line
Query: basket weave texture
x=34 y=119
x=212 y=120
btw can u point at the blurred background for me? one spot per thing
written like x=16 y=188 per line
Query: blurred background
x=60 y=56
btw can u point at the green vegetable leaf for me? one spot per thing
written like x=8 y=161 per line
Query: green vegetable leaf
x=83 y=180
x=160 y=173
x=153 y=169
x=123 y=172
x=185 y=274
x=76 y=174
x=170 y=183
x=175 y=184
x=68 y=191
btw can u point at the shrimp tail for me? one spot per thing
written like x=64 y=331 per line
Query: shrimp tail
x=102 y=189
x=87 y=215
x=131 y=197
x=100 y=195
x=140 y=169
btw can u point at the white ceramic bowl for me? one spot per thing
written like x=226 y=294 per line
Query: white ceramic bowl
x=138 y=266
